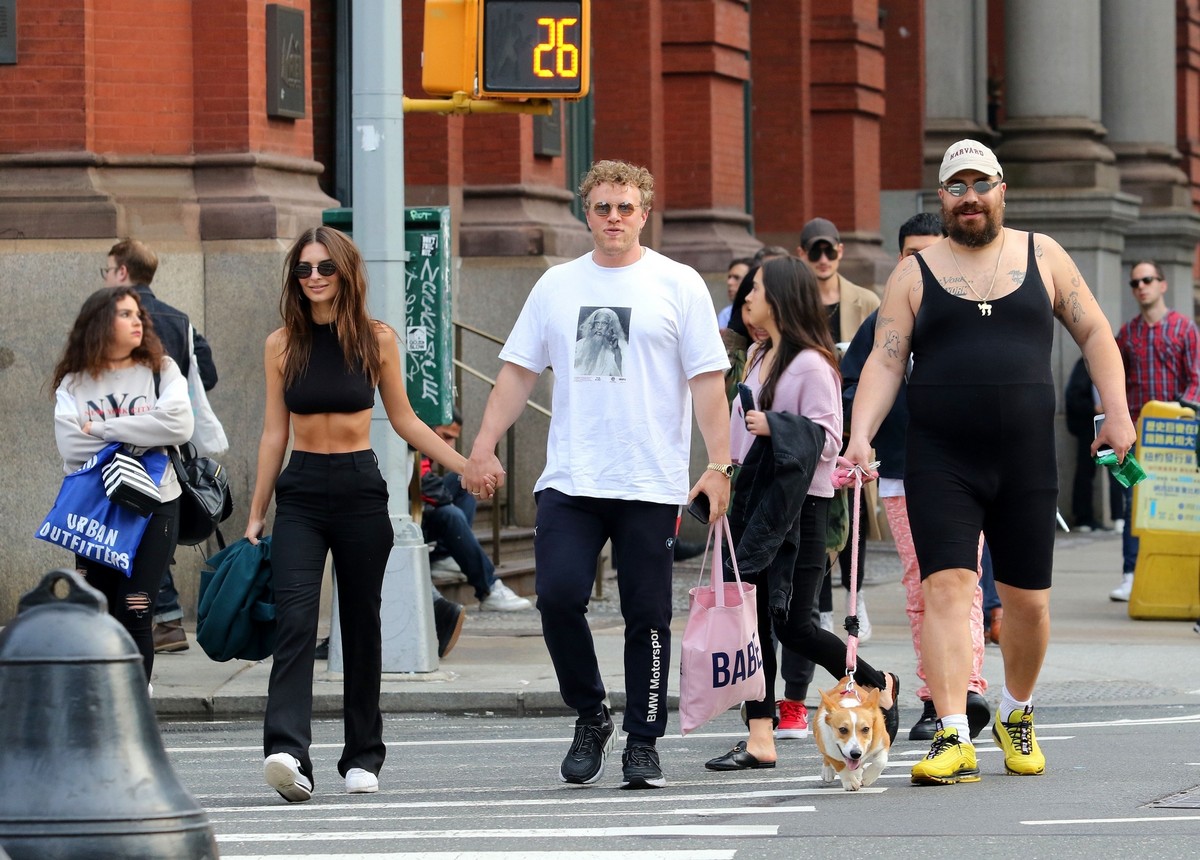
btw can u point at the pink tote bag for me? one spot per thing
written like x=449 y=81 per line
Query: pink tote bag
x=720 y=664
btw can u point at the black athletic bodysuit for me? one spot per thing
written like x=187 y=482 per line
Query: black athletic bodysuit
x=980 y=451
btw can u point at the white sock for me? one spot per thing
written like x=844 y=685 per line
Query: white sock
x=957 y=721
x=1008 y=704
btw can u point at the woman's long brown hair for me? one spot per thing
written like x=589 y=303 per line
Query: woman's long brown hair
x=355 y=329
x=93 y=331
x=791 y=290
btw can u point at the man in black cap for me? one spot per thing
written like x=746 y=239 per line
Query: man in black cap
x=847 y=305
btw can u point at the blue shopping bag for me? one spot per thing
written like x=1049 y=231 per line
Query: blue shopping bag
x=85 y=521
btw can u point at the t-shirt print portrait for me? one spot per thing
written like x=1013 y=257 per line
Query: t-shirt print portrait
x=602 y=344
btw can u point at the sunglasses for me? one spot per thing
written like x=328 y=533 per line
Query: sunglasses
x=816 y=252
x=603 y=209
x=981 y=186
x=325 y=268
x=1144 y=282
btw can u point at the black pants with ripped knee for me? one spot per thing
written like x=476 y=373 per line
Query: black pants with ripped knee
x=131 y=598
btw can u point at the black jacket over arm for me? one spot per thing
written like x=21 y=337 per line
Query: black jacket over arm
x=171 y=326
x=770 y=489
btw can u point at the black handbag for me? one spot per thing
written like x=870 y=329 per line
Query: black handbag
x=205 y=500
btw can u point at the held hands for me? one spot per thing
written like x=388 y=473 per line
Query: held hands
x=483 y=475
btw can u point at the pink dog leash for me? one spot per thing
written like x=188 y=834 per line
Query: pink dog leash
x=842 y=476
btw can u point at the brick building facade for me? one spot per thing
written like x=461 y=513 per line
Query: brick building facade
x=149 y=118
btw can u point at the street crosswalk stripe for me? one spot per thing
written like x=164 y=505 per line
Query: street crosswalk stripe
x=719 y=854
x=678 y=830
x=458 y=742
x=558 y=801
x=1089 y=821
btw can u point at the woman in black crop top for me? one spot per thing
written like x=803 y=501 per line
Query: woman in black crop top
x=322 y=370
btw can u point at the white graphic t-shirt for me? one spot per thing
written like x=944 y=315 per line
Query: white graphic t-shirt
x=623 y=344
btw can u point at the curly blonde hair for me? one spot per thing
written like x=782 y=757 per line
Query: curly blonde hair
x=618 y=173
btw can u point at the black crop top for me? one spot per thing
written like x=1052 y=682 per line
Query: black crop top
x=326 y=385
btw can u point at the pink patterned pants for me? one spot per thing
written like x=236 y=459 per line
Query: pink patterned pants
x=897 y=514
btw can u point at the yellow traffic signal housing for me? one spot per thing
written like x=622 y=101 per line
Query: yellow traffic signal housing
x=507 y=49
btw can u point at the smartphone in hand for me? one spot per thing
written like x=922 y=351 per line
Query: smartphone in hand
x=1097 y=423
x=747 y=398
x=699 y=508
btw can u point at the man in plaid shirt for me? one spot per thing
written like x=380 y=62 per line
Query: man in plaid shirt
x=1161 y=351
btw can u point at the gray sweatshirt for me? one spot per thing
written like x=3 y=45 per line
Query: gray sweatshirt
x=122 y=408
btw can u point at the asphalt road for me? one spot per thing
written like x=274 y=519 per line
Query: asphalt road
x=1119 y=783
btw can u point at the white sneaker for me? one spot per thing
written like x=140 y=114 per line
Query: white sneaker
x=447 y=564
x=503 y=599
x=1120 y=594
x=282 y=773
x=359 y=781
x=1119 y=526
x=827 y=621
x=864 y=622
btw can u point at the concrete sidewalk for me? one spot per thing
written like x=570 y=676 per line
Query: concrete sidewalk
x=1097 y=654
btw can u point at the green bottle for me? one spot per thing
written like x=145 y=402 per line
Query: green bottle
x=1128 y=473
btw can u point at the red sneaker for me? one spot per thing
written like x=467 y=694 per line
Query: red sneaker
x=793 y=720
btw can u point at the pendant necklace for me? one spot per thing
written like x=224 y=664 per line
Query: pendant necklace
x=985 y=308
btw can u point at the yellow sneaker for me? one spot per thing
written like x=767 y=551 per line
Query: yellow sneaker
x=950 y=760
x=1016 y=739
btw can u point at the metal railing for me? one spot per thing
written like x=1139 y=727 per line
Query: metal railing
x=504 y=509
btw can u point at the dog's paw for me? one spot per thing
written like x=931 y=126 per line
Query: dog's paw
x=828 y=774
x=852 y=783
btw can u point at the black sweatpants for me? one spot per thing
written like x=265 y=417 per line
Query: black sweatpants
x=798 y=631
x=328 y=503
x=131 y=598
x=571 y=530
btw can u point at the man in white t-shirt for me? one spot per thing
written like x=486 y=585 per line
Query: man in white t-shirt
x=632 y=340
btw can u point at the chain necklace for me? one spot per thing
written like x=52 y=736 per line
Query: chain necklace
x=985 y=309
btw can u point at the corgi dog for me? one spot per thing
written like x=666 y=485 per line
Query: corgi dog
x=851 y=737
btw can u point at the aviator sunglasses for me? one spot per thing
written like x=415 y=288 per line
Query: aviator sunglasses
x=624 y=209
x=981 y=186
x=325 y=268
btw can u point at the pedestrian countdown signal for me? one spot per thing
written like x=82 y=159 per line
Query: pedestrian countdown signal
x=507 y=49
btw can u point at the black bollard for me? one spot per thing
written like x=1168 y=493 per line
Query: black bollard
x=83 y=772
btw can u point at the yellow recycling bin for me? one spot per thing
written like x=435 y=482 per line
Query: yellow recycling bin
x=1166 y=515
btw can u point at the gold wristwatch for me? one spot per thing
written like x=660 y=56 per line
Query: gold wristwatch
x=725 y=469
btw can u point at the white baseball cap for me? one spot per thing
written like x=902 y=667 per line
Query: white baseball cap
x=969 y=154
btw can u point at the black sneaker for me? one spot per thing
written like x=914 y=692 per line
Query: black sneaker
x=640 y=768
x=925 y=728
x=584 y=763
x=448 y=618
x=979 y=713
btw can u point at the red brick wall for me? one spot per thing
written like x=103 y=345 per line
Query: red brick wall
x=156 y=77
x=433 y=148
x=848 y=101
x=903 y=124
x=142 y=77
x=704 y=70
x=322 y=29
x=781 y=121
x=44 y=98
x=628 y=88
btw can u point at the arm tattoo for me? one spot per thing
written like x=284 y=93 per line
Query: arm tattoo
x=1071 y=304
x=891 y=343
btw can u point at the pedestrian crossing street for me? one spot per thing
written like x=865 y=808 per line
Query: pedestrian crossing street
x=698 y=815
